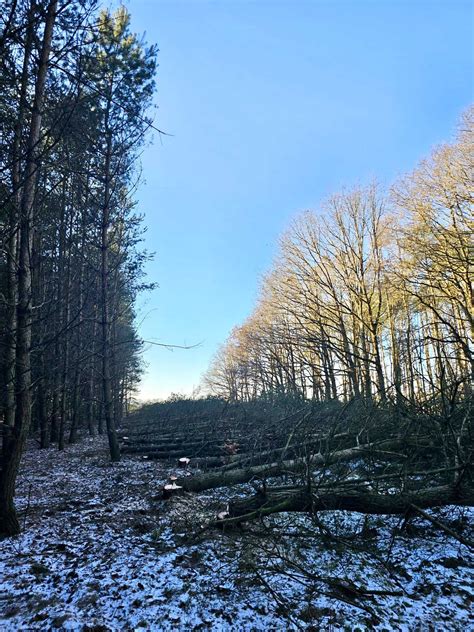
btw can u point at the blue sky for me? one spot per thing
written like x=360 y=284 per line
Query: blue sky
x=273 y=105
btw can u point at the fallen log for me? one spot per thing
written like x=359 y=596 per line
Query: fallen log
x=233 y=477
x=166 y=455
x=182 y=447
x=358 y=500
x=160 y=442
x=246 y=459
x=207 y=462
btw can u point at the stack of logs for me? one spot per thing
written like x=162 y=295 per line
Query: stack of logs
x=222 y=452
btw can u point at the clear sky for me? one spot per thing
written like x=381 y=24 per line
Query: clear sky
x=273 y=105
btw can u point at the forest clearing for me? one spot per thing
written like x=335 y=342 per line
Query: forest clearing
x=101 y=550
x=314 y=469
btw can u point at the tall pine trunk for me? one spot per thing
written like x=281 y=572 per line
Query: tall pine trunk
x=13 y=447
x=105 y=320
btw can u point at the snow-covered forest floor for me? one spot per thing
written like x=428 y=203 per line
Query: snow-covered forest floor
x=100 y=550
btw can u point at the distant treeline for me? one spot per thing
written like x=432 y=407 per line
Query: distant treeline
x=370 y=296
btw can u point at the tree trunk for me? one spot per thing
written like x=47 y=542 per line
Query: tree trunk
x=234 y=477
x=302 y=499
x=13 y=227
x=9 y=524
x=105 y=321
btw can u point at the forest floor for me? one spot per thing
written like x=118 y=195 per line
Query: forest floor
x=100 y=551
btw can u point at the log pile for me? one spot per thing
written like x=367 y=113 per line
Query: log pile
x=227 y=442
x=402 y=466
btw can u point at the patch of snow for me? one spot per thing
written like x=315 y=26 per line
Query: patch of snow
x=100 y=548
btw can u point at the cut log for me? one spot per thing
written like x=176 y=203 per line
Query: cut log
x=207 y=462
x=301 y=499
x=166 y=455
x=171 y=489
x=157 y=444
x=246 y=459
x=234 y=477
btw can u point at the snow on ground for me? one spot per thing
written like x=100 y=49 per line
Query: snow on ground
x=101 y=551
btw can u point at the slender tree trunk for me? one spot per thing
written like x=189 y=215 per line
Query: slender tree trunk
x=13 y=228
x=77 y=408
x=63 y=317
x=105 y=321
x=396 y=369
x=9 y=524
x=42 y=408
